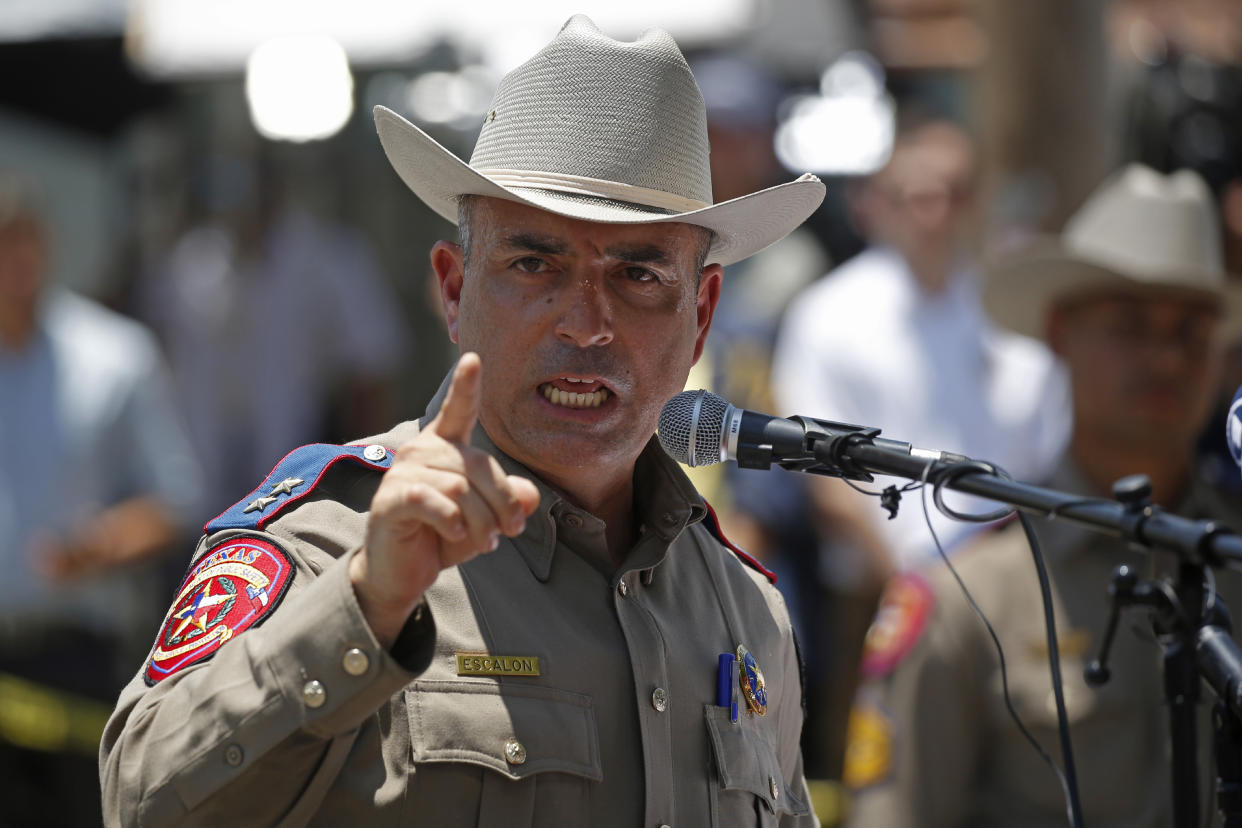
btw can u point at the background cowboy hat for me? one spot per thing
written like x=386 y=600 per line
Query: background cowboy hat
x=1139 y=231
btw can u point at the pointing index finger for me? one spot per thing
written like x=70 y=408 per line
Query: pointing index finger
x=456 y=418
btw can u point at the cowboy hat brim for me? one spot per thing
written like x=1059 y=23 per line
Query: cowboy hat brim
x=742 y=226
x=1019 y=290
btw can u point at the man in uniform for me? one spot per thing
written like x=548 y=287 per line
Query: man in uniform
x=1134 y=300
x=369 y=661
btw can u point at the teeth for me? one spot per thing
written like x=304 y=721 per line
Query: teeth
x=570 y=399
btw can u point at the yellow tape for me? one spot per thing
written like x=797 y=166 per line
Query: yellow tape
x=39 y=718
x=829 y=800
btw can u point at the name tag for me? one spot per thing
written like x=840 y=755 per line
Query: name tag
x=1074 y=643
x=482 y=664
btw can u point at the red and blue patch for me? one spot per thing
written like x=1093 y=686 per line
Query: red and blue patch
x=904 y=612
x=234 y=586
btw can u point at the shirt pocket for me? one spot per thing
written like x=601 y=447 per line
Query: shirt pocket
x=491 y=754
x=750 y=788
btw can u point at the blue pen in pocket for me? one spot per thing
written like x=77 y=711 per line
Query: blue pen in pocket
x=726 y=684
x=733 y=689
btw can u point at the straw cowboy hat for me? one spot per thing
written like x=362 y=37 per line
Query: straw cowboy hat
x=597 y=129
x=1140 y=231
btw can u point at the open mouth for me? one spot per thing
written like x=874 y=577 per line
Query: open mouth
x=575 y=393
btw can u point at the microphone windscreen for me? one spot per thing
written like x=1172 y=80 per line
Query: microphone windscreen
x=691 y=426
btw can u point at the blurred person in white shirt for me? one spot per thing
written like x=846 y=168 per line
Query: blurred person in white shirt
x=896 y=338
x=96 y=478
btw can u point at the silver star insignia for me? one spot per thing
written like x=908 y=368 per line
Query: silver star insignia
x=287 y=485
x=259 y=504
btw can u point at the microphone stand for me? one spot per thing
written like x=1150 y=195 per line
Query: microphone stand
x=1197 y=642
x=1220 y=663
x=1193 y=631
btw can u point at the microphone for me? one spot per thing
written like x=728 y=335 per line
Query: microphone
x=1233 y=428
x=698 y=428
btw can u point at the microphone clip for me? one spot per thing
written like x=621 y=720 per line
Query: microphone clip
x=828 y=445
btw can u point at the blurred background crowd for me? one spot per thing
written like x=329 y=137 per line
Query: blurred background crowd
x=205 y=261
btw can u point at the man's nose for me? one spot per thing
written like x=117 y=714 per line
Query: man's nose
x=586 y=319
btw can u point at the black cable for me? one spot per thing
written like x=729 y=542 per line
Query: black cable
x=911 y=486
x=860 y=489
x=1068 y=778
x=953 y=473
x=1054 y=663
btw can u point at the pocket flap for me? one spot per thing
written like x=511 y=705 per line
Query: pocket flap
x=746 y=761
x=515 y=729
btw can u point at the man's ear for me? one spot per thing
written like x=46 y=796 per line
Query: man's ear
x=708 y=298
x=448 y=260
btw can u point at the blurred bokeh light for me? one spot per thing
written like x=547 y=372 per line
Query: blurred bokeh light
x=846 y=129
x=299 y=88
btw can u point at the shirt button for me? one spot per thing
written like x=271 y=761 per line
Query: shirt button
x=659 y=700
x=314 y=694
x=669 y=518
x=233 y=755
x=573 y=521
x=623 y=588
x=774 y=788
x=375 y=453
x=355 y=661
x=515 y=752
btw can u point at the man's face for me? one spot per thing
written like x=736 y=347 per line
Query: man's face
x=924 y=198
x=584 y=330
x=1143 y=367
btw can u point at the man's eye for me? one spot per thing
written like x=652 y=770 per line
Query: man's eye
x=530 y=264
x=640 y=274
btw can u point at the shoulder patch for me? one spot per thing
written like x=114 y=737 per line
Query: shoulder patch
x=234 y=586
x=868 y=747
x=904 y=612
x=713 y=525
x=294 y=478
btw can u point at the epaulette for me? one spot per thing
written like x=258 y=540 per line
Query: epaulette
x=713 y=525
x=294 y=477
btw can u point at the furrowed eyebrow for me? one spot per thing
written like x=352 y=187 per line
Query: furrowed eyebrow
x=639 y=253
x=550 y=245
x=537 y=244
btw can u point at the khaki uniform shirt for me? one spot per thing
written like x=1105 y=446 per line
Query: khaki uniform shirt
x=955 y=756
x=620 y=727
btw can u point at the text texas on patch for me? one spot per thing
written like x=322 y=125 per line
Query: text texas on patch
x=235 y=585
x=484 y=664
